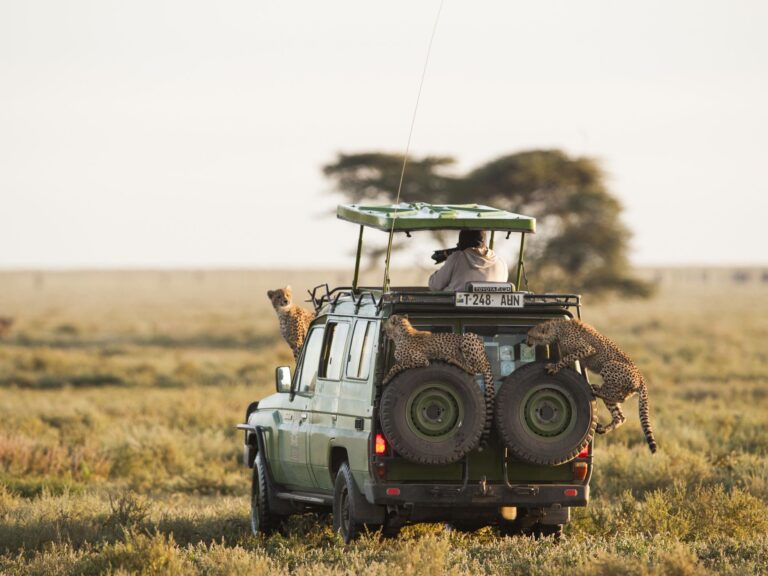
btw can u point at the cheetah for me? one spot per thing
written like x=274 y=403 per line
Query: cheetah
x=5 y=325
x=621 y=378
x=415 y=348
x=294 y=320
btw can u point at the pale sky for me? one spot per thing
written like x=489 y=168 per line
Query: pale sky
x=187 y=133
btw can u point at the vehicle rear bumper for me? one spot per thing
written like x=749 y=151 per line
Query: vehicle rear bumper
x=477 y=494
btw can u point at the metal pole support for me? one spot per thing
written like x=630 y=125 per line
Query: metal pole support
x=385 y=287
x=357 y=258
x=520 y=261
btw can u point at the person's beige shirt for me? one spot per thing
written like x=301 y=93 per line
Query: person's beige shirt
x=470 y=265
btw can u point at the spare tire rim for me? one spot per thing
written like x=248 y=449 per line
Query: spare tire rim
x=547 y=411
x=434 y=411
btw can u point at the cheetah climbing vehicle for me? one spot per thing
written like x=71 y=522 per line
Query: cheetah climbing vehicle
x=326 y=440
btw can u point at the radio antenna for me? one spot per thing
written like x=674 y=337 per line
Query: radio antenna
x=385 y=286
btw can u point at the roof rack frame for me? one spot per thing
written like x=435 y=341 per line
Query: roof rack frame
x=332 y=297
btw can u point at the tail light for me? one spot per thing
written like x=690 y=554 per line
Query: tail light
x=580 y=471
x=380 y=445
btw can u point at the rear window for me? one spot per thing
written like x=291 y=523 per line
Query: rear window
x=426 y=324
x=507 y=350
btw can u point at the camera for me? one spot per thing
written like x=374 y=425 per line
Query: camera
x=440 y=256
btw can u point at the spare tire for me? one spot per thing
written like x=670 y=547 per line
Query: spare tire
x=545 y=418
x=433 y=415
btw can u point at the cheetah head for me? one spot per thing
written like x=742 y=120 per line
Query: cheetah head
x=280 y=298
x=395 y=325
x=544 y=333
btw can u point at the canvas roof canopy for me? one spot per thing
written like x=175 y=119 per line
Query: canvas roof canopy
x=414 y=216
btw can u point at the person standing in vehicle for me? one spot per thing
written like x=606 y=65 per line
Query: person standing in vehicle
x=470 y=261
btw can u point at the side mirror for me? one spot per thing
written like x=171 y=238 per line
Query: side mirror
x=283 y=379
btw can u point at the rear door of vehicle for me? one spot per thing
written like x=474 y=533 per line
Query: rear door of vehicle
x=356 y=398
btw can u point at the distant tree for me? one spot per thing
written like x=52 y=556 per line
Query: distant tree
x=580 y=243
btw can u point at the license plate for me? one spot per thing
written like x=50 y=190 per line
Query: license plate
x=485 y=300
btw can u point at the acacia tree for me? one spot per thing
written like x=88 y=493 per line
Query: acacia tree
x=580 y=243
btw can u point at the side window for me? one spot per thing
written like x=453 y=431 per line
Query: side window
x=333 y=351
x=359 y=363
x=310 y=361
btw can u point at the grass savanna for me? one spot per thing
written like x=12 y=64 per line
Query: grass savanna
x=119 y=392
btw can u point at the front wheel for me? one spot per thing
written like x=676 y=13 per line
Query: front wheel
x=263 y=520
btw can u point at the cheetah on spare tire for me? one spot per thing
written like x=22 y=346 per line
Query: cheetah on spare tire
x=415 y=348
x=294 y=320
x=621 y=378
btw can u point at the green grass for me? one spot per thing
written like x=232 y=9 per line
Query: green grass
x=118 y=453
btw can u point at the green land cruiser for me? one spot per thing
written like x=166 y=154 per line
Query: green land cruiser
x=319 y=442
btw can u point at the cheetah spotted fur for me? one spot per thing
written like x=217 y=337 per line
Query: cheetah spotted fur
x=621 y=378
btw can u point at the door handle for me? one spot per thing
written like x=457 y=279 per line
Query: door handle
x=303 y=418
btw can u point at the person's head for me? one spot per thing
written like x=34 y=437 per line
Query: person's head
x=471 y=239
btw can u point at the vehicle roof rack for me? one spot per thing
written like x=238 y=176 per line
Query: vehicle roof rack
x=332 y=297
x=421 y=295
x=406 y=297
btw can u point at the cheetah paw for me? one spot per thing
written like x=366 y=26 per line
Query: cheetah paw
x=552 y=368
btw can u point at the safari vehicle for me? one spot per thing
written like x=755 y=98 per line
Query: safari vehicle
x=325 y=439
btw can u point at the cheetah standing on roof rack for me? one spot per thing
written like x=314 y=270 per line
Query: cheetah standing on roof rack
x=621 y=378
x=294 y=320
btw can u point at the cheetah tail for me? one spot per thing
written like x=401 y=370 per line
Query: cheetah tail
x=645 y=419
